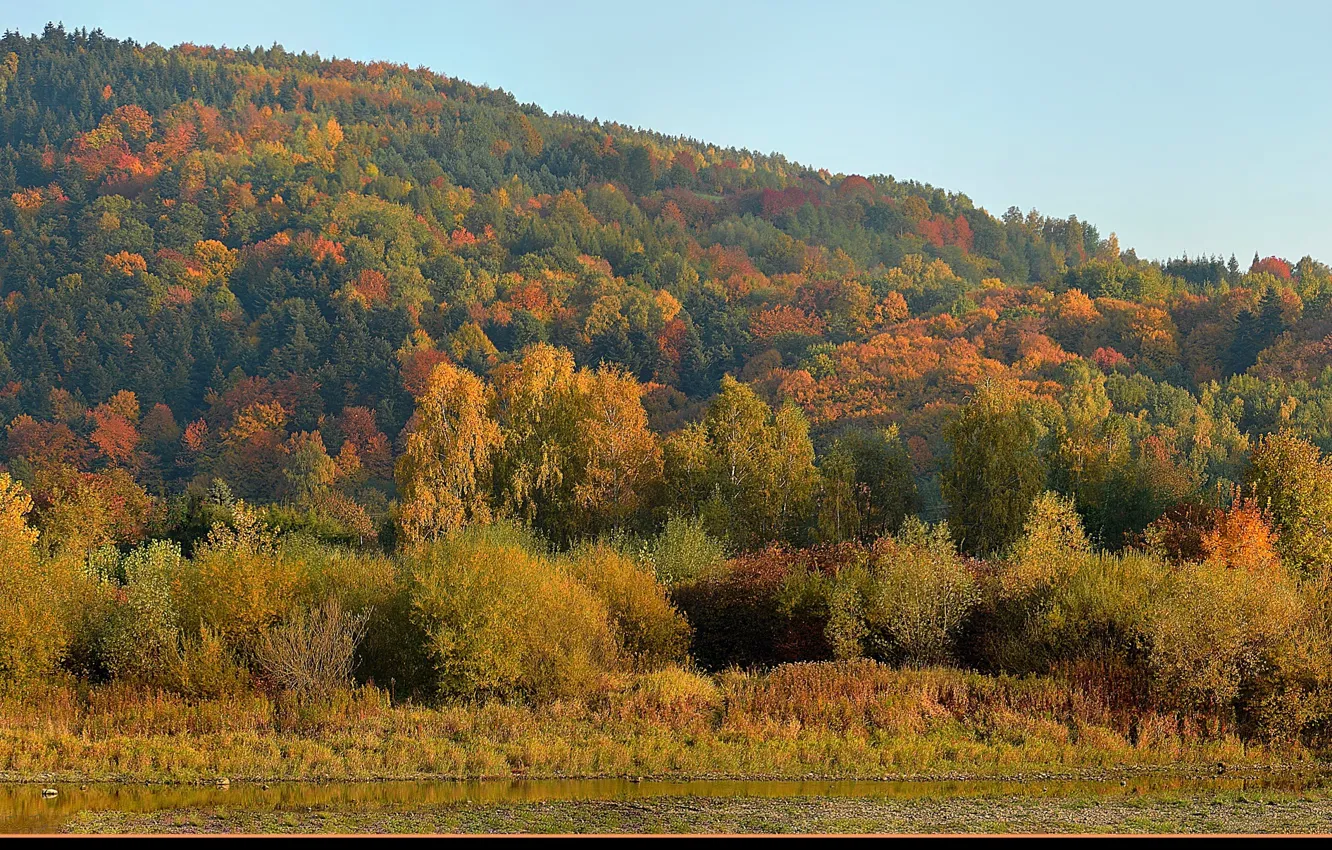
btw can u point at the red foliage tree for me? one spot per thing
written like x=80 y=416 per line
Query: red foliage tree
x=1271 y=265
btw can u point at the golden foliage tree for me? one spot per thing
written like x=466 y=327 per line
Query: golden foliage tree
x=445 y=471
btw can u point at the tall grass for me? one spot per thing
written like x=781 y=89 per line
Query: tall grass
x=852 y=719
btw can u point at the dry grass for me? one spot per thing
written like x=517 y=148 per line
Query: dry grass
x=856 y=719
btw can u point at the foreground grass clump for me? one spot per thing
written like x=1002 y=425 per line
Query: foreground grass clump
x=852 y=719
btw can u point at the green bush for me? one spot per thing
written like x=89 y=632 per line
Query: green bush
x=920 y=594
x=1094 y=609
x=1052 y=542
x=684 y=552
x=146 y=627
x=1052 y=602
x=909 y=603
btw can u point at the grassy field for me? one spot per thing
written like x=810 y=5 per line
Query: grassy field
x=1246 y=812
x=852 y=720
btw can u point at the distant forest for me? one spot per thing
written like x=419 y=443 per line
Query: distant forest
x=382 y=303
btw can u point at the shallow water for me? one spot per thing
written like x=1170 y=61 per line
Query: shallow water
x=24 y=810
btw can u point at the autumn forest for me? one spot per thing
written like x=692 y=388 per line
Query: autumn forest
x=327 y=383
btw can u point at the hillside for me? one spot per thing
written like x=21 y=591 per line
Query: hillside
x=363 y=423
x=242 y=266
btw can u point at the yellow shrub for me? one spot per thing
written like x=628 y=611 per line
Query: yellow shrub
x=1051 y=541
x=649 y=627
x=1215 y=630
x=672 y=695
x=35 y=623
x=15 y=504
x=238 y=584
x=35 y=626
x=503 y=620
x=203 y=666
x=361 y=582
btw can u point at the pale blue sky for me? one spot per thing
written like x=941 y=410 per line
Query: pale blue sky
x=1200 y=127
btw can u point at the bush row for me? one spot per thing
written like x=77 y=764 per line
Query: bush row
x=1218 y=630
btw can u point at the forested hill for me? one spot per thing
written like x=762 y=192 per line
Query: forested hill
x=234 y=271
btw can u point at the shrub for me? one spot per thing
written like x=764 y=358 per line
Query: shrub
x=203 y=666
x=359 y=581
x=373 y=587
x=672 y=695
x=145 y=629
x=765 y=607
x=501 y=619
x=1096 y=611
x=650 y=629
x=311 y=655
x=1214 y=631
x=1292 y=482
x=35 y=593
x=1242 y=539
x=238 y=584
x=1177 y=534
x=1291 y=700
x=1052 y=540
x=846 y=630
x=326 y=515
x=1052 y=602
x=1238 y=536
x=684 y=552
x=1100 y=607
x=395 y=653
x=917 y=595
x=93 y=617
x=15 y=505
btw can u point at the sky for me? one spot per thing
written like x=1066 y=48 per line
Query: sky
x=1193 y=128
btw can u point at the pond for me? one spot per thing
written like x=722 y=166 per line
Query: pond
x=24 y=809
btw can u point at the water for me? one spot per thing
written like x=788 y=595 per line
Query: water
x=24 y=810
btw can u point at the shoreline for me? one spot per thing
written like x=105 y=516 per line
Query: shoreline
x=1190 y=772
x=1190 y=811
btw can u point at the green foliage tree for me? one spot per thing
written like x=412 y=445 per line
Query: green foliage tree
x=1292 y=482
x=868 y=487
x=748 y=472
x=995 y=470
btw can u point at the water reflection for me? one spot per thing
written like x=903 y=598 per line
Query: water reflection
x=24 y=810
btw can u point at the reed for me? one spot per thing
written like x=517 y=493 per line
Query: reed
x=848 y=719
